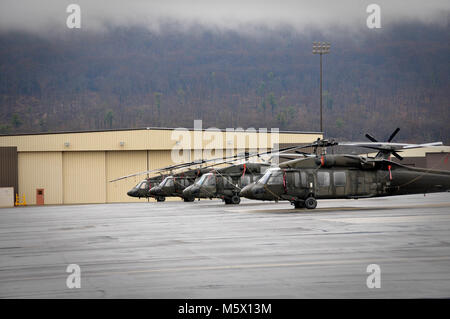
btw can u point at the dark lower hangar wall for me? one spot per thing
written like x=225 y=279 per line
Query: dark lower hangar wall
x=9 y=176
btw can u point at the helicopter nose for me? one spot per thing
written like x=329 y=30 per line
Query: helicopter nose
x=191 y=191
x=131 y=193
x=195 y=191
x=187 y=191
x=246 y=191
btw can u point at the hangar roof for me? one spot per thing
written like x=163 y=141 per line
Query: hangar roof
x=148 y=138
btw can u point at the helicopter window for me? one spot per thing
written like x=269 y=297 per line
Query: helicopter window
x=143 y=185
x=227 y=180
x=201 y=180
x=303 y=179
x=138 y=185
x=339 y=178
x=185 y=182
x=323 y=179
x=275 y=178
x=296 y=179
x=245 y=180
x=265 y=177
x=263 y=169
x=269 y=176
x=210 y=180
x=169 y=182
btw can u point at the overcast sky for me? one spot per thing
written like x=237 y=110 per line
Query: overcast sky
x=45 y=15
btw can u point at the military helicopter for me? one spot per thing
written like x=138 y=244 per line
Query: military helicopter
x=207 y=182
x=174 y=185
x=142 y=189
x=227 y=182
x=303 y=181
x=169 y=184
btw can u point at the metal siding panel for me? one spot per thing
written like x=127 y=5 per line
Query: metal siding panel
x=84 y=177
x=152 y=139
x=40 y=170
x=120 y=164
x=158 y=159
x=298 y=138
x=92 y=141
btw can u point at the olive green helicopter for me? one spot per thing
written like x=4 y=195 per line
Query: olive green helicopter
x=226 y=183
x=332 y=176
x=188 y=183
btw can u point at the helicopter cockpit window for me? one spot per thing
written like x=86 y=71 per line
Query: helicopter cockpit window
x=210 y=180
x=265 y=177
x=169 y=182
x=201 y=180
x=275 y=178
x=143 y=185
x=138 y=185
x=272 y=177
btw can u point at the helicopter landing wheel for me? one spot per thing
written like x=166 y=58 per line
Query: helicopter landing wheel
x=310 y=203
x=235 y=199
x=160 y=199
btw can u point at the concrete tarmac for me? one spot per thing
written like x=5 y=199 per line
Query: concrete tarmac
x=210 y=250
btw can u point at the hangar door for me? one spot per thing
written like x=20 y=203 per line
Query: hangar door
x=84 y=177
x=121 y=163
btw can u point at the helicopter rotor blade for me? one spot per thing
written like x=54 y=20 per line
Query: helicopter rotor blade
x=393 y=134
x=371 y=138
x=397 y=156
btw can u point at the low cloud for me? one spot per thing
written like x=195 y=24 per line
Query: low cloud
x=44 y=16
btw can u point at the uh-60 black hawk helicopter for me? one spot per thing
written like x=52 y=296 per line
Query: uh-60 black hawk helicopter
x=189 y=183
x=207 y=182
x=226 y=182
x=144 y=188
x=321 y=176
x=174 y=185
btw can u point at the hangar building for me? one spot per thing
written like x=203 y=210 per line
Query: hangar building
x=76 y=167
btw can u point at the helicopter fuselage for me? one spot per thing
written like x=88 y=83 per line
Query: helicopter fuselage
x=344 y=177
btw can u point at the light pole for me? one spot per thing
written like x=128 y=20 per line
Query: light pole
x=321 y=48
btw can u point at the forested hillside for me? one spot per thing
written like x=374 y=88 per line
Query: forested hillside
x=130 y=77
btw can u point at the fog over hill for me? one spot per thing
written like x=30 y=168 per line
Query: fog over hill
x=231 y=65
